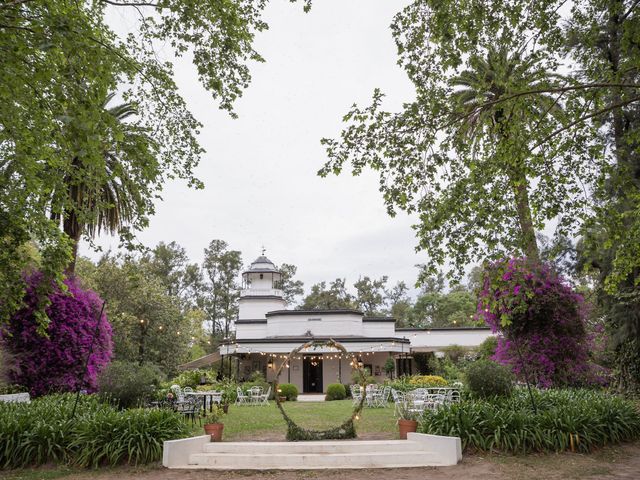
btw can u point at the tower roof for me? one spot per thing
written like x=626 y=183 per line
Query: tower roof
x=262 y=265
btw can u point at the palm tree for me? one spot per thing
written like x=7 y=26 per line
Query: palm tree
x=484 y=98
x=115 y=196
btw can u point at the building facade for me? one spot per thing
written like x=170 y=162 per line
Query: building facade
x=266 y=332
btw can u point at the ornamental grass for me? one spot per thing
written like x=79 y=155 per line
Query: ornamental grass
x=41 y=432
x=566 y=420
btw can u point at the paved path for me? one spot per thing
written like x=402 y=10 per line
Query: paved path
x=311 y=397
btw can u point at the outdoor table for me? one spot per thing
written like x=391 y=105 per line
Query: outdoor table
x=208 y=394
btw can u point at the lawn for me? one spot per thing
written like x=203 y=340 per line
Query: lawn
x=266 y=423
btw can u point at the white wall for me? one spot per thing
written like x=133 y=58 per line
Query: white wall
x=254 y=309
x=251 y=330
x=435 y=340
x=319 y=324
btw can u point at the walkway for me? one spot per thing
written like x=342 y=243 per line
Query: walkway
x=311 y=397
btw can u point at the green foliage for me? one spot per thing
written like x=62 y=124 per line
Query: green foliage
x=335 y=297
x=389 y=366
x=149 y=325
x=213 y=415
x=192 y=378
x=576 y=420
x=370 y=295
x=488 y=347
x=41 y=432
x=343 y=432
x=408 y=383
x=440 y=309
x=335 y=391
x=219 y=296
x=128 y=384
x=61 y=61
x=291 y=289
x=288 y=390
x=487 y=379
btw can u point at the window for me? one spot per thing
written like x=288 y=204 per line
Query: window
x=314 y=319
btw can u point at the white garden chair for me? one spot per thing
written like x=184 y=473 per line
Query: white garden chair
x=241 y=398
x=263 y=399
x=356 y=394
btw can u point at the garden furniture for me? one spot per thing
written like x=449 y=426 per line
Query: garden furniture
x=255 y=394
x=263 y=399
x=190 y=408
x=356 y=394
x=241 y=398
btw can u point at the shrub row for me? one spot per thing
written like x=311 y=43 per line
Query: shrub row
x=576 y=420
x=404 y=384
x=41 y=432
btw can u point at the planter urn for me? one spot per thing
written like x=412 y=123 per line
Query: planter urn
x=282 y=399
x=407 y=426
x=215 y=430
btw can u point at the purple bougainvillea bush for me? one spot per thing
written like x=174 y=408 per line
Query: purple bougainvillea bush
x=55 y=362
x=541 y=322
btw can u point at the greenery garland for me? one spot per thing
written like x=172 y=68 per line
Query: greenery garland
x=347 y=429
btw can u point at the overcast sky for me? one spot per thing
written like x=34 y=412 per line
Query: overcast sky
x=259 y=171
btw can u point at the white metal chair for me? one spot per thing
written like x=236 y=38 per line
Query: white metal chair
x=241 y=398
x=177 y=391
x=263 y=399
x=356 y=394
x=187 y=390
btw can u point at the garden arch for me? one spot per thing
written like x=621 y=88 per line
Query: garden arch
x=347 y=428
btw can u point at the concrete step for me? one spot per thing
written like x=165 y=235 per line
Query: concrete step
x=326 y=446
x=309 y=461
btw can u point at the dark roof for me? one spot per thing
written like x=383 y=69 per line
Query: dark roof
x=314 y=312
x=260 y=297
x=262 y=265
x=424 y=329
x=378 y=319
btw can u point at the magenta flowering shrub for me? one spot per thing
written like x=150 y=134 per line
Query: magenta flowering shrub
x=541 y=322
x=55 y=363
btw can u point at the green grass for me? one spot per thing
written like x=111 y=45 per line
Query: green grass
x=266 y=423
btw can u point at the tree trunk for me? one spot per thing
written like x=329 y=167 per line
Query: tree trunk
x=528 y=242
x=70 y=224
x=72 y=228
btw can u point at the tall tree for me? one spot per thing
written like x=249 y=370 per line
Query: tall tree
x=399 y=303
x=120 y=197
x=370 y=295
x=481 y=166
x=291 y=289
x=170 y=263
x=148 y=324
x=60 y=61
x=323 y=298
x=221 y=291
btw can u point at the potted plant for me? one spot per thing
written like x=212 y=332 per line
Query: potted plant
x=212 y=424
x=407 y=419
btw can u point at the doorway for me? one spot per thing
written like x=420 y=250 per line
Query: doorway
x=312 y=374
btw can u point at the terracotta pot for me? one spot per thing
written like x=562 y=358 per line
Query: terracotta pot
x=215 y=430
x=407 y=426
x=282 y=399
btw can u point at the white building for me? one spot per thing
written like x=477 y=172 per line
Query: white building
x=266 y=332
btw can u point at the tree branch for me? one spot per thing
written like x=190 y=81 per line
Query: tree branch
x=583 y=119
x=130 y=4
x=542 y=90
x=628 y=12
